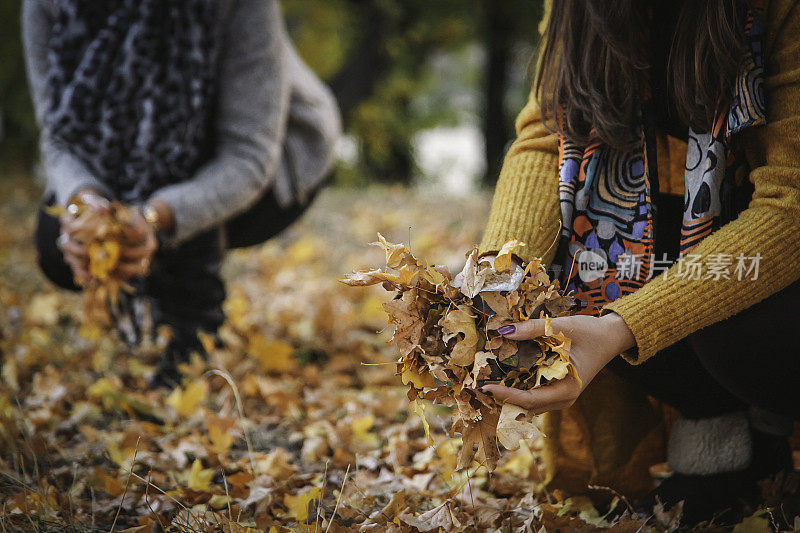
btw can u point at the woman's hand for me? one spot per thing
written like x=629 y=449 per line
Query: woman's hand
x=134 y=260
x=595 y=342
x=75 y=251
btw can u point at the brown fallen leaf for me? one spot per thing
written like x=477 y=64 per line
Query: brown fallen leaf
x=442 y=516
x=515 y=424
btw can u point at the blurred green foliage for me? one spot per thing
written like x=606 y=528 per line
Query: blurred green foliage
x=379 y=57
x=18 y=134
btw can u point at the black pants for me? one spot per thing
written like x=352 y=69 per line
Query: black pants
x=750 y=359
x=184 y=284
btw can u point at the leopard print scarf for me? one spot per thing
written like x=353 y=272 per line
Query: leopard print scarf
x=132 y=86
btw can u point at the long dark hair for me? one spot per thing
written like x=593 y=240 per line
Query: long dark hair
x=595 y=62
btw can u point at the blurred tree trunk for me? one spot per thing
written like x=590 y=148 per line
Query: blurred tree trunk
x=499 y=34
x=367 y=65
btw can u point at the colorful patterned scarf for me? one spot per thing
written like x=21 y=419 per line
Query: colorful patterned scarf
x=607 y=238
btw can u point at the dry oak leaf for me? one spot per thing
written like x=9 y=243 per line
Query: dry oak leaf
x=365 y=278
x=456 y=321
x=408 y=322
x=499 y=304
x=515 y=424
x=480 y=369
x=479 y=440
x=277 y=464
x=397 y=255
x=472 y=278
x=442 y=516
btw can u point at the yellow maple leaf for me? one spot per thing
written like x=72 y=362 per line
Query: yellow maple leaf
x=520 y=461
x=557 y=370
x=434 y=276
x=103 y=258
x=273 y=355
x=123 y=458
x=407 y=274
x=236 y=309
x=200 y=478
x=504 y=260
x=90 y=331
x=361 y=427
x=220 y=433
x=43 y=309
x=420 y=381
x=207 y=340
x=186 y=399
x=219 y=501
x=419 y=409
x=298 y=504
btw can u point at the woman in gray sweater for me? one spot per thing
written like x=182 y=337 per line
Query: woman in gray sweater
x=197 y=112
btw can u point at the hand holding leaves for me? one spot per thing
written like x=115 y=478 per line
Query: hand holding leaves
x=137 y=253
x=595 y=341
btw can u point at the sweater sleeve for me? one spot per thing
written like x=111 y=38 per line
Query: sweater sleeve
x=666 y=310
x=250 y=123
x=65 y=173
x=525 y=204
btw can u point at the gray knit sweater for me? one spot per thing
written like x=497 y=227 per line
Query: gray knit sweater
x=275 y=126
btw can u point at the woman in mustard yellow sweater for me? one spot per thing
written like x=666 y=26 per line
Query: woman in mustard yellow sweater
x=656 y=131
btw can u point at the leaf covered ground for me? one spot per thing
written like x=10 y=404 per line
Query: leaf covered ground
x=296 y=424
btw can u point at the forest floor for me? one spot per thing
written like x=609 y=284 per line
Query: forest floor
x=297 y=424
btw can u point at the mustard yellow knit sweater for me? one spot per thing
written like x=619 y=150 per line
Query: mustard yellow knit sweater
x=664 y=311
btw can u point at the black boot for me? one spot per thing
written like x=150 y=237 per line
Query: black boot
x=772 y=452
x=711 y=459
x=718 y=464
x=187 y=292
x=167 y=373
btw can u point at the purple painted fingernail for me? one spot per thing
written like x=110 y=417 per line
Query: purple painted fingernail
x=507 y=330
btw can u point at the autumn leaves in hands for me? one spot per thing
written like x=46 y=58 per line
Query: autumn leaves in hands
x=595 y=341
x=106 y=244
x=446 y=333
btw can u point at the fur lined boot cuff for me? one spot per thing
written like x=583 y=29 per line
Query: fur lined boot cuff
x=710 y=445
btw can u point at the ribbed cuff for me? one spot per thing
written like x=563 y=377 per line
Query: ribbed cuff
x=666 y=310
x=525 y=205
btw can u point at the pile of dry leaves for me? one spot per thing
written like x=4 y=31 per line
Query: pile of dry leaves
x=449 y=346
